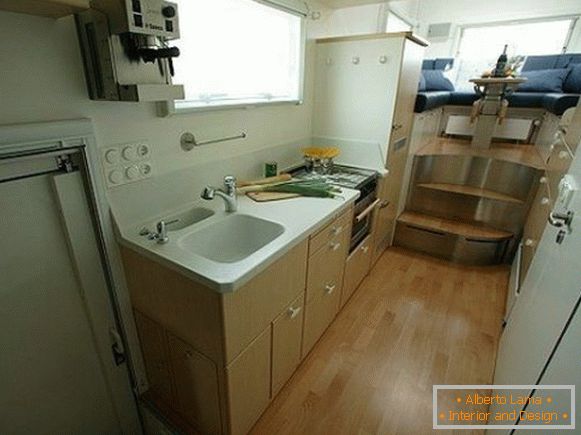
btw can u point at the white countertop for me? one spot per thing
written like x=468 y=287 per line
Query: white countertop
x=300 y=218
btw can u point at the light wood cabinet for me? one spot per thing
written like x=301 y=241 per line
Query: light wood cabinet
x=325 y=278
x=356 y=268
x=248 y=378
x=215 y=361
x=287 y=336
x=407 y=90
x=156 y=356
x=45 y=8
x=319 y=313
x=196 y=386
x=535 y=226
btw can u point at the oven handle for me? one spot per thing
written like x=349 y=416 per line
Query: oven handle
x=368 y=210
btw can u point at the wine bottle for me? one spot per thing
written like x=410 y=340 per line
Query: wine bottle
x=500 y=68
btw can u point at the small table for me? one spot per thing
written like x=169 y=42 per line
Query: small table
x=494 y=91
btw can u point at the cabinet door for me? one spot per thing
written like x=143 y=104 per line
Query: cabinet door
x=356 y=268
x=156 y=357
x=248 y=378
x=287 y=335
x=383 y=227
x=196 y=385
x=319 y=313
x=407 y=90
x=535 y=226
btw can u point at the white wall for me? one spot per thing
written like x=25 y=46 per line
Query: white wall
x=459 y=12
x=42 y=79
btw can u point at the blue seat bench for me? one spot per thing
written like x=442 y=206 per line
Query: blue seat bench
x=555 y=103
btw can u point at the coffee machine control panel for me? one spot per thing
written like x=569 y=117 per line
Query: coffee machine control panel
x=153 y=17
x=147 y=17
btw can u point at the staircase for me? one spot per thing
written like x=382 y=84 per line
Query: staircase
x=469 y=205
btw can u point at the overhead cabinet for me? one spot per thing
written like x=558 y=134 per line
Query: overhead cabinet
x=45 y=8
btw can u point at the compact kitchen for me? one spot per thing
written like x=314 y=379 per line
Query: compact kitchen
x=275 y=216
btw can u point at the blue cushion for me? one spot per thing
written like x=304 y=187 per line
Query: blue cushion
x=573 y=81
x=428 y=63
x=463 y=98
x=558 y=103
x=534 y=63
x=526 y=99
x=544 y=80
x=422 y=83
x=436 y=81
x=431 y=100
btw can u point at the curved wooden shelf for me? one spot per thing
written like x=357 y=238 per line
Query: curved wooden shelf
x=526 y=155
x=471 y=191
x=464 y=229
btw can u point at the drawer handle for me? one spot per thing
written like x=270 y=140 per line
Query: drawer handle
x=545 y=201
x=337 y=230
x=529 y=242
x=330 y=288
x=334 y=246
x=384 y=204
x=365 y=249
x=543 y=180
x=294 y=312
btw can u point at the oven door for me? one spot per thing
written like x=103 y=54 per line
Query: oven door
x=362 y=220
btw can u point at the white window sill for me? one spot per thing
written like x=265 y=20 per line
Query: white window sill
x=170 y=108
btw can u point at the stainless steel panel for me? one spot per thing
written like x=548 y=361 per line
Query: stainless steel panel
x=497 y=214
x=450 y=246
x=499 y=176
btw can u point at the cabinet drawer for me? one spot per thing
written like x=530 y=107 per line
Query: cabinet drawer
x=333 y=232
x=196 y=384
x=248 y=378
x=156 y=357
x=325 y=268
x=356 y=268
x=319 y=313
x=287 y=334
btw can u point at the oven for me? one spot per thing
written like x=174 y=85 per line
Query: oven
x=363 y=213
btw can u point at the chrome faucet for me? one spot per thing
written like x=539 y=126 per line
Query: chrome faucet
x=228 y=195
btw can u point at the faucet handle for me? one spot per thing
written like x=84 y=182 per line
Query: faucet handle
x=230 y=181
x=208 y=193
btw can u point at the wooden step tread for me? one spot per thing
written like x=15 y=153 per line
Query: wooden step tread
x=465 y=229
x=526 y=155
x=472 y=191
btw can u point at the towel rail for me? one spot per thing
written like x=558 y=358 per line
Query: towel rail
x=188 y=140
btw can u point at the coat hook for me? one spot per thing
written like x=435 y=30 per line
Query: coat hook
x=356 y=60
x=382 y=59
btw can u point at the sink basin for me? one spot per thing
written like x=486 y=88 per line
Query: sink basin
x=187 y=218
x=232 y=239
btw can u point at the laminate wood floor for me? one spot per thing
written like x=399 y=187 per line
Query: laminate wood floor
x=415 y=321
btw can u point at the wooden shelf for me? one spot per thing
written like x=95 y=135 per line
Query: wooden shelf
x=467 y=230
x=471 y=191
x=45 y=8
x=526 y=155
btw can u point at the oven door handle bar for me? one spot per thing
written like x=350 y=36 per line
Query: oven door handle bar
x=368 y=210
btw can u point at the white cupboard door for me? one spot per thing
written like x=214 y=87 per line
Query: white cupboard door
x=56 y=365
x=550 y=294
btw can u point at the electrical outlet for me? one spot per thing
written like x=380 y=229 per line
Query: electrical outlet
x=127 y=163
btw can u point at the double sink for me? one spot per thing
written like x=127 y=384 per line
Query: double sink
x=227 y=240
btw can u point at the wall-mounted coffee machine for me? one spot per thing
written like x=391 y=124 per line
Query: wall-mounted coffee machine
x=126 y=52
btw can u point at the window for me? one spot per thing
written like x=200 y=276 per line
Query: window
x=396 y=24
x=480 y=46
x=238 y=52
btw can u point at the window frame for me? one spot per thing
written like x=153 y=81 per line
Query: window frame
x=455 y=50
x=169 y=108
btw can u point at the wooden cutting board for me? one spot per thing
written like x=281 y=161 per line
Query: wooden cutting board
x=270 y=196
